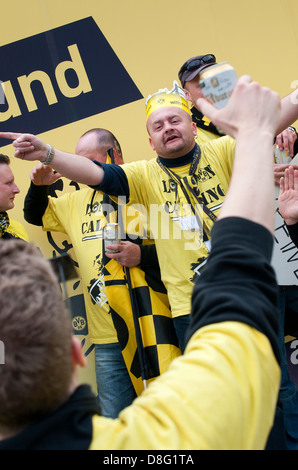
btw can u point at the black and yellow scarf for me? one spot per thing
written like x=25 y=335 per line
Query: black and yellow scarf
x=4 y=224
x=141 y=313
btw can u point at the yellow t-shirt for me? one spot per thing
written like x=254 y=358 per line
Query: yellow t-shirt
x=73 y=215
x=203 y=136
x=178 y=237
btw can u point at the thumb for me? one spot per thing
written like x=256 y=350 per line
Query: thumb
x=57 y=176
x=206 y=108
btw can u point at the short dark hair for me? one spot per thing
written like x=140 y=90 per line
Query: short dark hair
x=4 y=159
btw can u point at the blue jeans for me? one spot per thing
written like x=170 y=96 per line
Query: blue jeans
x=114 y=387
x=288 y=395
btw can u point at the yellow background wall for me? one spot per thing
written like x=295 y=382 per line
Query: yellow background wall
x=152 y=39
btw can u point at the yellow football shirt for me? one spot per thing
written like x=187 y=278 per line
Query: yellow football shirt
x=74 y=215
x=178 y=234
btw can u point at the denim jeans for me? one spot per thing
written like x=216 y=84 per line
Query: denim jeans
x=114 y=386
x=284 y=434
x=288 y=395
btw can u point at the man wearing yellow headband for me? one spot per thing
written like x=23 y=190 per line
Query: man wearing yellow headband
x=229 y=405
x=181 y=191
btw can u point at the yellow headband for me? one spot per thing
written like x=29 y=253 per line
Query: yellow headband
x=176 y=97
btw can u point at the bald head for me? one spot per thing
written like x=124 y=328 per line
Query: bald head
x=95 y=143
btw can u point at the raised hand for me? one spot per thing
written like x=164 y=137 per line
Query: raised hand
x=43 y=175
x=288 y=197
x=279 y=171
x=286 y=141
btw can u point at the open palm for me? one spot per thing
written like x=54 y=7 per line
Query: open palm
x=288 y=197
x=43 y=175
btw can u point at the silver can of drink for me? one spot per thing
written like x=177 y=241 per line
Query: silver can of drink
x=217 y=83
x=111 y=236
x=281 y=156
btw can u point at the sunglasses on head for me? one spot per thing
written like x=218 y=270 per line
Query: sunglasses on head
x=196 y=63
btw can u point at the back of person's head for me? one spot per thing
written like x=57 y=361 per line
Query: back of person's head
x=106 y=140
x=4 y=159
x=35 y=329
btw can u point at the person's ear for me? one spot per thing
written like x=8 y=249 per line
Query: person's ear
x=151 y=143
x=77 y=353
x=188 y=97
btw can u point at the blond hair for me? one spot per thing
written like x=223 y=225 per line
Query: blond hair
x=35 y=329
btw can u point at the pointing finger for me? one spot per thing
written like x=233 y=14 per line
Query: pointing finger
x=10 y=135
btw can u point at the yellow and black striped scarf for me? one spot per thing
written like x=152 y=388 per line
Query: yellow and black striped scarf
x=141 y=314
x=4 y=223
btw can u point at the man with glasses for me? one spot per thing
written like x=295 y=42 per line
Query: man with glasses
x=189 y=76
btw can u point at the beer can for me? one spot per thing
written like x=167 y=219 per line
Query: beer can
x=281 y=156
x=217 y=83
x=111 y=236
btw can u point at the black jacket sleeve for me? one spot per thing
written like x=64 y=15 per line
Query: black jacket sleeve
x=238 y=282
x=35 y=204
x=114 y=182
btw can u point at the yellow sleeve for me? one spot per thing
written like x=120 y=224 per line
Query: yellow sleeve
x=203 y=136
x=56 y=214
x=221 y=394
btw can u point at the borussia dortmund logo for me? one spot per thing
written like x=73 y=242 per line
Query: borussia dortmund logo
x=78 y=323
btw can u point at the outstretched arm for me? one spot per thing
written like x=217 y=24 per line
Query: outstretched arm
x=74 y=167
